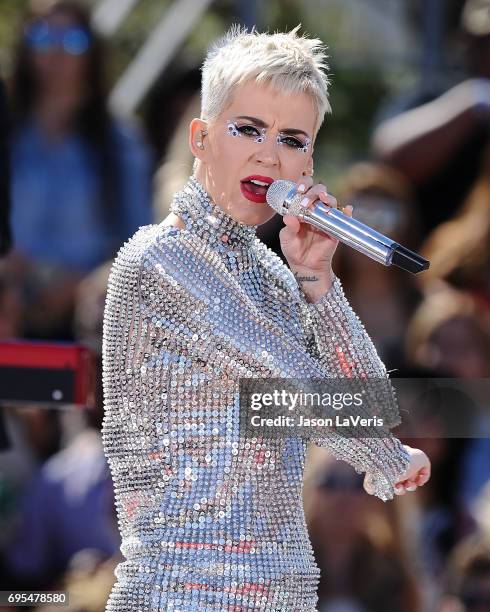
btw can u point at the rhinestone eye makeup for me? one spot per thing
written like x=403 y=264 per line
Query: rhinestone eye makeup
x=259 y=135
x=246 y=131
x=300 y=146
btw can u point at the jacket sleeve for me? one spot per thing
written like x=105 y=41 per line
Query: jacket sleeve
x=346 y=351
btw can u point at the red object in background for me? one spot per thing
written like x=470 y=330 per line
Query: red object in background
x=54 y=373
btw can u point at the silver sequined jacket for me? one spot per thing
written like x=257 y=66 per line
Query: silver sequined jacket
x=209 y=519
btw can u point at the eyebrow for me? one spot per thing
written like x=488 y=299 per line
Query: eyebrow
x=262 y=124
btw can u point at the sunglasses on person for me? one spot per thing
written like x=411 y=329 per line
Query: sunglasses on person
x=43 y=37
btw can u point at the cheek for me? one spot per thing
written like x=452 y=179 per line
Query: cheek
x=231 y=151
x=227 y=158
x=295 y=163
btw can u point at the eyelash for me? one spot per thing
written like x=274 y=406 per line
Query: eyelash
x=297 y=143
x=243 y=130
x=259 y=136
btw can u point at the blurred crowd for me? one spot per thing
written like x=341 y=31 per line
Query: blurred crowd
x=82 y=181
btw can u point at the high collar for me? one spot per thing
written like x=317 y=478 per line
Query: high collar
x=208 y=220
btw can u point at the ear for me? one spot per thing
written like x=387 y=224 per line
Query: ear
x=197 y=133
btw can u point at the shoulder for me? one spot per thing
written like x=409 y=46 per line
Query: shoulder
x=131 y=253
x=180 y=258
x=125 y=269
x=158 y=252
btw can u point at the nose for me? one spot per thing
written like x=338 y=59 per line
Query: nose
x=267 y=153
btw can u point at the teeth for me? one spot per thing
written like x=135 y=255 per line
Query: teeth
x=260 y=183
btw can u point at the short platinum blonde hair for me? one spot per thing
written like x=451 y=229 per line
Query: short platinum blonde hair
x=286 y=61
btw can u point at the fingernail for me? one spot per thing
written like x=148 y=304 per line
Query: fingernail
x=304 y=202
x=301 y=187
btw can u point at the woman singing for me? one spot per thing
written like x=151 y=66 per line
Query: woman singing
x=211 y=519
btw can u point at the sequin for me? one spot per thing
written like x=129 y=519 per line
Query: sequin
x=210 y=520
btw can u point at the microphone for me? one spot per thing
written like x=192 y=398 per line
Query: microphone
x=283 y=197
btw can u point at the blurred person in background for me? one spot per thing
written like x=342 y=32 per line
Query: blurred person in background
x=5 y=231
x=468 y=576
x=9 y=294
x=31 y=434
x=459 y=249
x=89 y=308
x=87 y=582
x=440 y=518
x=439 y=146
x=450 y=331
x=81 y=180
x=67 y=507
x=64 y=531
x=358 y=544
x=10 y=303
x=383 y=298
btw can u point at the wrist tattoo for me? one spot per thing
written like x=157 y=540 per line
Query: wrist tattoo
x=302 y=279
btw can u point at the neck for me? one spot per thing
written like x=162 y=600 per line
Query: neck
x=203 y=217
x=201 y=175
x=207 y=181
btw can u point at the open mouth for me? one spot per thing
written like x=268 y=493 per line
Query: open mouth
x=254 y=187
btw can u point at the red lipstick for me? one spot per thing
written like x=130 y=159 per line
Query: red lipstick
x=254 y=187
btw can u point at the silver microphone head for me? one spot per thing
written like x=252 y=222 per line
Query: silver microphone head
x=284 y=199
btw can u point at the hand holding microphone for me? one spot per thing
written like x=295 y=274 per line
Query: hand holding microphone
x=308 y=250
x=317 y=209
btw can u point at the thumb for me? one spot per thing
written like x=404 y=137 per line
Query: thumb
x=292 y=224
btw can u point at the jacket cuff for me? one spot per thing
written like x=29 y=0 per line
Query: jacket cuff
x=395 y=460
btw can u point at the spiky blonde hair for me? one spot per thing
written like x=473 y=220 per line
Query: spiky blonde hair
x=285 y=60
